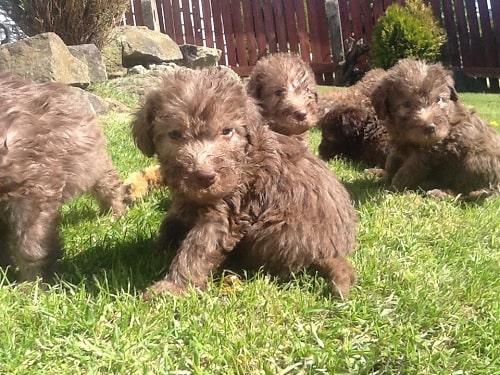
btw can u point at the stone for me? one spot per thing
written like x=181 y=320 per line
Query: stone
x=90 y=55
x=43 y=57
x=197 y=57
x=141 y=46
x=112 y=57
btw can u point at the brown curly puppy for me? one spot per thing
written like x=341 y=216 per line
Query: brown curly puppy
x=240 y=191
x=349 y=125
x=436 y=142
x=285 y=89
x=51 y=149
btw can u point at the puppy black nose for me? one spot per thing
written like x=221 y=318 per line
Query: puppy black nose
x=429 y=128
x=300 y=115
x=205 y=178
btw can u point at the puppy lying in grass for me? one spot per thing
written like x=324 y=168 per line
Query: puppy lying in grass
x=436 y=143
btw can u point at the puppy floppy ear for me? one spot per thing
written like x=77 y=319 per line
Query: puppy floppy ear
x=255 y=86
x=142 y=124
x=378 y=98
x=451 y=86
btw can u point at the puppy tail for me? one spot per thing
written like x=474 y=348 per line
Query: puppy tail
x=138 y=184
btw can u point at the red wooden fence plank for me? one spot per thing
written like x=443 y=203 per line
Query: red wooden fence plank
x=357 y=24
x=345 y=20
x=197 y=27
x=269 y=26
x=129 y=18
x=178 y=34
x=239 y=33
x=314 y=31
x=368 y=21
x=138 y=12
x=259 y=27
x=219 y=30
x=436 y=8
x=474 y=33
x=465 y=47
x=279 y=21
x=305 y=45
x=324 y=37
x=378 y=9
x=495 y=10
x=250 y=32
x=291 y=26
x=451 y=32
x=188 y=24
x=489 y=46
x=207 y=24
x=161 y=19
x=227 y=23
x=169 y=19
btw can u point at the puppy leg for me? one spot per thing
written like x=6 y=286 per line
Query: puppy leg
x=109 y=193
x=339 y=272
x=173 y=231
x=5 y=255
x=411 y=174
x=204 y=249
x=37 y=245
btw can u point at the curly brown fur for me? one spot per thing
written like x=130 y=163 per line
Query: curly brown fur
x=436 y=142
x=51 y=150
x=239 y=190
x=285 y=88
x=349 y=125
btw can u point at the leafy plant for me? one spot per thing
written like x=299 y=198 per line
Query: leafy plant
x=409 y=31
x=75 y=21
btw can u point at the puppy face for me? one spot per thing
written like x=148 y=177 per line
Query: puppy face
x=285 y=88
x=415 y=101
x=199 y=124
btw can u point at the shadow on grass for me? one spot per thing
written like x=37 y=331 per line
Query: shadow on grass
x=126 y=266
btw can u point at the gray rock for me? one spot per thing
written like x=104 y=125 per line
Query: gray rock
x=141 y=46
x=43 y=57
x=90 y=55
x=112 y=57
x=197 y=57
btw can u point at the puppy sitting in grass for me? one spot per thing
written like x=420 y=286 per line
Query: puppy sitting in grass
x=51 y=150
x=436 y=143
x=240 y=192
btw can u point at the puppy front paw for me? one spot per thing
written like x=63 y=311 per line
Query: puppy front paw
x=163 y=286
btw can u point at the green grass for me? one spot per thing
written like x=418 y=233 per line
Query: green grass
x=426 y=302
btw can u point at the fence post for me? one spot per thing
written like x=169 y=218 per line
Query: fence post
x=335 y=30
x=150 y=14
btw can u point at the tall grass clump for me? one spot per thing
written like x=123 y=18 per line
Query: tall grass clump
x=74 y=21
x=408 y=31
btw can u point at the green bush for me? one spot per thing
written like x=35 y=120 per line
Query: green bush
x=409 y=31
x=75 y=21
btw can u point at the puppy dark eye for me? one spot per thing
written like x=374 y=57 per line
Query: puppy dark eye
x=279 y=92
x=228 y=132
x=407 y=104
x=175 y=135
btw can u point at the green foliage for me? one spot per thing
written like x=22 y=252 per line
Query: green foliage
x=75 y=21
x=409 y=31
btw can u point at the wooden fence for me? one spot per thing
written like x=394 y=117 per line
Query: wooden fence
x=245 y=30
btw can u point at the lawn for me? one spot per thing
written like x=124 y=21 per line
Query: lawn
x=426 y=302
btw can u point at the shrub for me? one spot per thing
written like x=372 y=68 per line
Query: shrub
x=409 y=31
x=75 y=21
